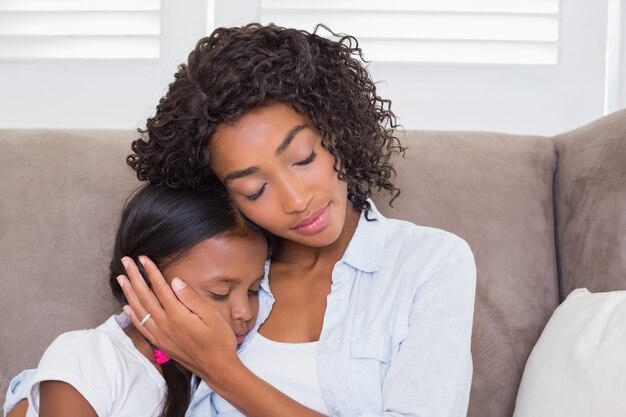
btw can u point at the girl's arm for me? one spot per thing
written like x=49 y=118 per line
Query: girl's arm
x=200 y=339
x=59 y=399
x=19 y=410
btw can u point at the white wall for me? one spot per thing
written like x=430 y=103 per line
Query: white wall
x=110 y=94
x=517 y=99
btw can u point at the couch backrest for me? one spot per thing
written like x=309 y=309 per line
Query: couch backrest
x=590 y=196
x=61 y=194
x=495 y=191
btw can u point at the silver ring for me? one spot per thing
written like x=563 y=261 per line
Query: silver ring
x=145 y=319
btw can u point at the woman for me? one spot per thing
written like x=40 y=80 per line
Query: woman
x=291 y=124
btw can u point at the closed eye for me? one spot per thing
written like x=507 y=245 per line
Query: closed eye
x=256 y=195
x=307 y=161
x=219 y=297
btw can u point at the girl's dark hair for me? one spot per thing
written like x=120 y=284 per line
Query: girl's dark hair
x=237 y=69
x=163 y=224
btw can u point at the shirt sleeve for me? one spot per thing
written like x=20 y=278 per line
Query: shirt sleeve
x=432 y=372
x=18 y=390
x=78 y=359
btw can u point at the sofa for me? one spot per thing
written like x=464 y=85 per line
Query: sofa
x=543 y=216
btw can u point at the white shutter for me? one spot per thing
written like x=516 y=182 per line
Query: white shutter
x=90 y=29
x=436 y=31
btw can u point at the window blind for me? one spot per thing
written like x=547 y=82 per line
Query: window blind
x=438 y=31
x=89 y=29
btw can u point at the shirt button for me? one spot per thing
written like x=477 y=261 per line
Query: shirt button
x=328 y=343
x=341 y=296
x=336 y=410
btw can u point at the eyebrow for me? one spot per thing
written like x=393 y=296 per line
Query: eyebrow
x=227 y=280
x=291 y=135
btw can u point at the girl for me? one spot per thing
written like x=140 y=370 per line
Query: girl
x=112 y=370
x=365 y=316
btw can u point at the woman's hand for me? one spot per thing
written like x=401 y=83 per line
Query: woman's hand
x=181 y=324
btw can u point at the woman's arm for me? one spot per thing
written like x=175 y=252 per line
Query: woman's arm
x=199 y=338
x=431 y=374
x=60 y=399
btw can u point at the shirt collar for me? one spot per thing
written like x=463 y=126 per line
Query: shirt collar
x=366 y=246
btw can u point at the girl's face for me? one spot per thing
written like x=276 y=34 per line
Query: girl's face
x=226 y=272
x=279 y=175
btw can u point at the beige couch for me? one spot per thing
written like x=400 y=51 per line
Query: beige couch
x=543 y=216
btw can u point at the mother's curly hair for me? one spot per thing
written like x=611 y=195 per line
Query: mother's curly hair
x=237 y=69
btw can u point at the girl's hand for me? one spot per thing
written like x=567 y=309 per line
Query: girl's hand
x=181 y=324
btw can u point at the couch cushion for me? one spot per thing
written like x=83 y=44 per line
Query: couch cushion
x=590 y=198
x=61 y=197
x=495 y=191
x=577 y=367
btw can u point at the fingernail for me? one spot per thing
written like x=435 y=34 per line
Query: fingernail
x=127 y=310
x=121 y=281
x=178 y=284
x=125 y=262
x=142 y=259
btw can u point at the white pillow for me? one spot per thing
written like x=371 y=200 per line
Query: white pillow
x=578 y=366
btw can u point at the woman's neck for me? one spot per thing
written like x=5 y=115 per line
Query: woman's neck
x=289 y=252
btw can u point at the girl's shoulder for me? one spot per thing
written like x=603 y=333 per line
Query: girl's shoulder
x=100 y=363
x=101 y=351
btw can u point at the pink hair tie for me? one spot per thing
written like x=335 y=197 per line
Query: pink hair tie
x=160 y=357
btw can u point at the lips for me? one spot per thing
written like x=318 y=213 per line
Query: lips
x=240 y=336
x=315 y=222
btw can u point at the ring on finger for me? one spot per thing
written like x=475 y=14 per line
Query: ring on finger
x=145 y=319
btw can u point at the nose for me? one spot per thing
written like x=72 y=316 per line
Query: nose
x=242 y=308
x=295 y=195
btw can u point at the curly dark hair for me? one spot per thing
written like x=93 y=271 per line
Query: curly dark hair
x=237 y=69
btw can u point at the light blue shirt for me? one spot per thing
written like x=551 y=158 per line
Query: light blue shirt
x=397 y=328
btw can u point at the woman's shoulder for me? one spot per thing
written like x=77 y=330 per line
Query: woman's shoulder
x=404 y=232
x=411 y=237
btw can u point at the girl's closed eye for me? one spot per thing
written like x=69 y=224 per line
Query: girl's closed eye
x=256 y=195
x=219 y=297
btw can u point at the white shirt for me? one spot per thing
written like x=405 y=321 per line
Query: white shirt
x=106 y=368
x=397 y=328
x=289 y=367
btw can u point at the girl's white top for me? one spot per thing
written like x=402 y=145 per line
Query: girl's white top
x=106 y=368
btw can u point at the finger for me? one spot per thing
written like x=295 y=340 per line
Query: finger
x=162 y=289
x=192 y=301
x=168 y=348
x=141 y=299
x=139 y=318
x=137 y=323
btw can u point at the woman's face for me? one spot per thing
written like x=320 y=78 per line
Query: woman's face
x=279 y=175
x=226 y=272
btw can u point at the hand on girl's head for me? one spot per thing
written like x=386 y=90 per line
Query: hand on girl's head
x=224 y=275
